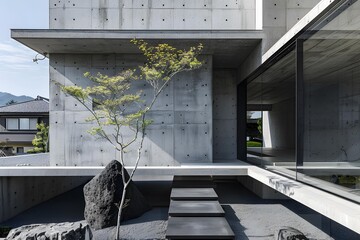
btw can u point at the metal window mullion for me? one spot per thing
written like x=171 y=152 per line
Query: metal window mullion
x=299 y=93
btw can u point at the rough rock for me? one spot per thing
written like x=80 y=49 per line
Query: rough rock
x=103 y=195
x=53 y=231
x=289 y=233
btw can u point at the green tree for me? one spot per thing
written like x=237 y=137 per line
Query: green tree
x=41 y=139
x=10 y=102
x=259 y=127
x=114 y=103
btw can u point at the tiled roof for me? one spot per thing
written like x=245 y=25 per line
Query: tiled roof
x=38 y=105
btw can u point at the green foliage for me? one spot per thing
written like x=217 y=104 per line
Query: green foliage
x=112 y=101
x=259 y=123
x=41 y=140
x=253 y=144
x=12 y=101
x=164 y=61
x=114 y=104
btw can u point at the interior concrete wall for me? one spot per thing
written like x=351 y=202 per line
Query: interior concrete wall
x=224 y=111
x=332 y=118
x=182 y=127
x=21 y=193
x=152 y=14
x=281 y=125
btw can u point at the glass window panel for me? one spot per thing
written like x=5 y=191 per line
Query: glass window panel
x=24 y=123
x=33 y=122
x=331 y=154
x=271 y=117
x=12 y=123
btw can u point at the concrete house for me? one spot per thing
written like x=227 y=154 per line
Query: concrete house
x=294 y=61
x=18 y=124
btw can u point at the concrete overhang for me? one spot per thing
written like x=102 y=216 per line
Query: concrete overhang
x=228 y=47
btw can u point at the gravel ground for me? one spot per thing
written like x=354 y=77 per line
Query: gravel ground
x=249 y=216
x=151 y=225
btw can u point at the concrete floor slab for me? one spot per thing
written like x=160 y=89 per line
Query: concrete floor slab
x=193 y=194
x=195 y=209
x=199 y=228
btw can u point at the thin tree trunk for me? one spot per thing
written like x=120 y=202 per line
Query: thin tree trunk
x=119 y=213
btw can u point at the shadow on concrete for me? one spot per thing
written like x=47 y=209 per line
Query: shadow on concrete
x=68 y=207
x=235 y=193
x=234 y=222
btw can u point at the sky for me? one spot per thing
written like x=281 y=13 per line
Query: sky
x=19 y=75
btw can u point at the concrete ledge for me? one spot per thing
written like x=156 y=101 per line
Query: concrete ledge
x=229 y=48
x=343 y=211
x=39 y=159
x=130 y=34
x=215 y=170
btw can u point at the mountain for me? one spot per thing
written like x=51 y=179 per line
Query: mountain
x=6 y=97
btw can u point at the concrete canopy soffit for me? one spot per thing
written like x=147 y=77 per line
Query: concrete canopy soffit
x=229 y=48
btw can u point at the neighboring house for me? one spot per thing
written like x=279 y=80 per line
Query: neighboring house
x=18 y=124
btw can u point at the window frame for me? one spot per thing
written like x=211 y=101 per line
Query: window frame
x=28 y=128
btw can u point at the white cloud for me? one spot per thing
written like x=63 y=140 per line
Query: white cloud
x=9 y=48
x=13 y=56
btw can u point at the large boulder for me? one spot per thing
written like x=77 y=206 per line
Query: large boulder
x=103 y=195
x=53 y=231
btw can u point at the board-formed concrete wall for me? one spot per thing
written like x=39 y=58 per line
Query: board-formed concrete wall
x=182 y=128
x=152 y=14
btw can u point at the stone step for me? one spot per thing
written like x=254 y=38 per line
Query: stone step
x=195 y=209
x=199 y=228
x=193 y=194
x=193 y=182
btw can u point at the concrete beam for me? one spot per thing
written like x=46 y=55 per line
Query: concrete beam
x=300 y=26
x=139 y=34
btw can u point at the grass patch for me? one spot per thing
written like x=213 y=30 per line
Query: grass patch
x=253 y=144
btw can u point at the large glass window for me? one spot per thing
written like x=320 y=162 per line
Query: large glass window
x=271 y=117
x=331 y=152
x=21 y=123
x=310 y=106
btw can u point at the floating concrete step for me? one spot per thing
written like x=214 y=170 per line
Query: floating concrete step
x=193 y=194
x=198 y=228
x=193 y=182
x=195 y=209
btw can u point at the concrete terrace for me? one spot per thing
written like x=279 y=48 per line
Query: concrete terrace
x=336 y=208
